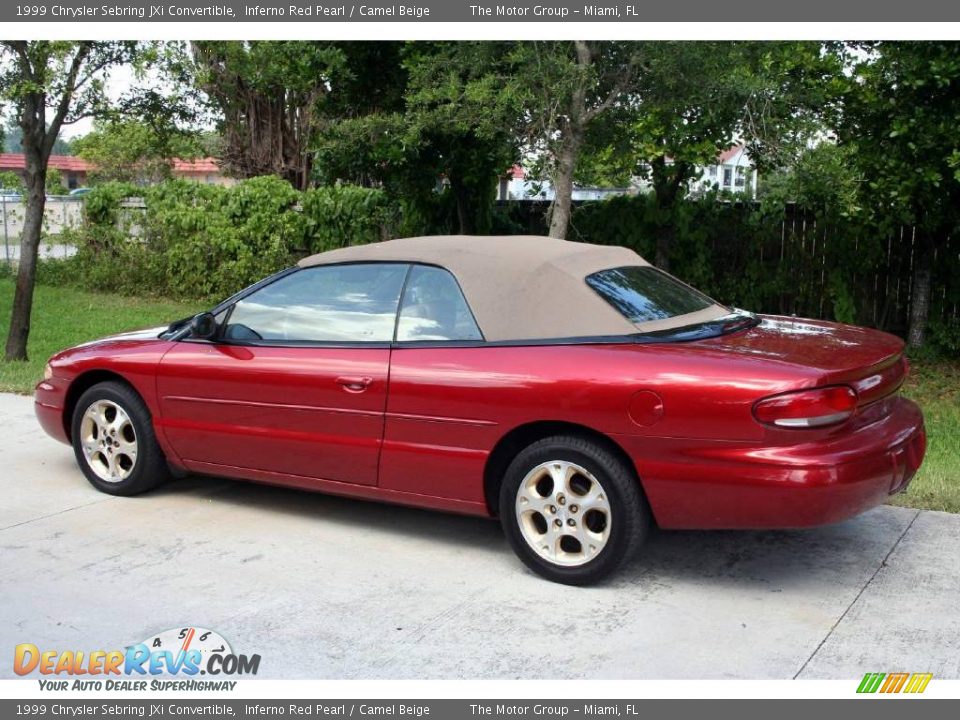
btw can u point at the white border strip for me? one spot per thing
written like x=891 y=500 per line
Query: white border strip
x=479 y=30
x=588 y=690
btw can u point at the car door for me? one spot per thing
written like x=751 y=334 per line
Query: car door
x=438 y=427
x=294 y=383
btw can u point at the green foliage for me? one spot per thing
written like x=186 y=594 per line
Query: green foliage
x=901 y=111
x=944 y=337
x=773 y=258
x=131 y=151
x=271 y=97
x=189 y=240
x=54 y=184
x=11 y=181
x=440 y=134
x=340 y=215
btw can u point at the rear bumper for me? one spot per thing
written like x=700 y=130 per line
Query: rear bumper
x=736 y=486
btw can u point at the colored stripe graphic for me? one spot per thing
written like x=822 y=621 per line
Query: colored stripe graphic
x=894 y=682
x=871 y=682
x=918 y=682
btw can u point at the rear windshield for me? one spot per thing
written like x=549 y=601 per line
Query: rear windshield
x=644 y=293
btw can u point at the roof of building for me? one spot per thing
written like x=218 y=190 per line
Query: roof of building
x=521 y=287
x=70 y=163
x=730 y=153
x=200 y=165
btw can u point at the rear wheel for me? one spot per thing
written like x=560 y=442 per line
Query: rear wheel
x=572 y=510
x=114 y=441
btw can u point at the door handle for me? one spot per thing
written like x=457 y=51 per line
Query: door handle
x=354 y=384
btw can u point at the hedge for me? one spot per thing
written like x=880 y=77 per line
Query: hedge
x=188 y=240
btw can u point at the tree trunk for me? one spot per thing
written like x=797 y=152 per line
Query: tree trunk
x=29 y=245
x=461 y=196
x=562 y=205
x=666 y=190
x=665 y=235
x=920 y=293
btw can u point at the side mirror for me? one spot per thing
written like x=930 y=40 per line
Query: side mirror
x=203 y=325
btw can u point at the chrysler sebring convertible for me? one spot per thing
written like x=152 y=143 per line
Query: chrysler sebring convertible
x=573 y=391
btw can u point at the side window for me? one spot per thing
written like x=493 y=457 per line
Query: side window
x=433 y=308
x=329 y=303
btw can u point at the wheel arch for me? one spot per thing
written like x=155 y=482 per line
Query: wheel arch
x=83 y=382
x=521 y=436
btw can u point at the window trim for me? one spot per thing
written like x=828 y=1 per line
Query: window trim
x=676 y=335
x=231 y=303
x=441 y=343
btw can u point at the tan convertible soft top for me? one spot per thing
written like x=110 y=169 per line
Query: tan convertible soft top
x=523 y=286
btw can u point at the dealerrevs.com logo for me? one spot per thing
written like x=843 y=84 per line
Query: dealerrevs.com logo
x=153 y=664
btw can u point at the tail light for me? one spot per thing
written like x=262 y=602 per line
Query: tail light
x=808 y=408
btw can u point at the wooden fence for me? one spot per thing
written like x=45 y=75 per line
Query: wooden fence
x=797 y=266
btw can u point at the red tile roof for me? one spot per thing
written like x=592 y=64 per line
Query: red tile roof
x=201 y=165
x=729 y=153
x=16 y=161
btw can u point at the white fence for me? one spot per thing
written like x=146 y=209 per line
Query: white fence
x=60 y=213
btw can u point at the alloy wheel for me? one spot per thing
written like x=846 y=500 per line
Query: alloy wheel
x=563 y=513
x=109 y=441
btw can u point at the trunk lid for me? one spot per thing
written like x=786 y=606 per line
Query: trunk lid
x=868 y=360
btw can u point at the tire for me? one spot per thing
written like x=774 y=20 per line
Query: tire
x=579 y=489
x=114 y=440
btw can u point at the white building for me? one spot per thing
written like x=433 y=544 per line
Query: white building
x=732 y=172
x=515 y=185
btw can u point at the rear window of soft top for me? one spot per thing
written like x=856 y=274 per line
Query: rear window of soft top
x=642 y=293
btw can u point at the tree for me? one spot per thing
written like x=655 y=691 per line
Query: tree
x=475 y=108
x=270 y=97
x=11 y=139
x=695 y=99
x=565 y=89
x=50 y=84
x=438 y=130
x=462 y=122
x=901 y=114
x=129 y=150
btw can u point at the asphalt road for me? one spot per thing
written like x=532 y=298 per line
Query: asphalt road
x=323 y=587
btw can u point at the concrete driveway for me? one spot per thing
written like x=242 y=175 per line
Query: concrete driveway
x=323 y=587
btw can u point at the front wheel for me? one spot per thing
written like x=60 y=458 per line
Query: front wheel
x=572 y=510
x=114 y=442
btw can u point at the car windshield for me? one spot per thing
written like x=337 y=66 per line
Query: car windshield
x=644 y=294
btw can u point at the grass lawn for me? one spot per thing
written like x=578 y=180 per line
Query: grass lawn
x=66 y=316
x=63 y=317
x=935 y=386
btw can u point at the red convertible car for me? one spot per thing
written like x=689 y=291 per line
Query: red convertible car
x=572 y=390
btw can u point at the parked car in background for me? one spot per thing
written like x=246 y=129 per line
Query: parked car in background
x=8 y=195
x=80 y=191
x=574 y=391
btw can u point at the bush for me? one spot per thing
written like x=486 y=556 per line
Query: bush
x=189 y=240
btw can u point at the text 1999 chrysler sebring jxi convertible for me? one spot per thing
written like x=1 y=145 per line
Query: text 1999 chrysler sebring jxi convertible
x=573 y=390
